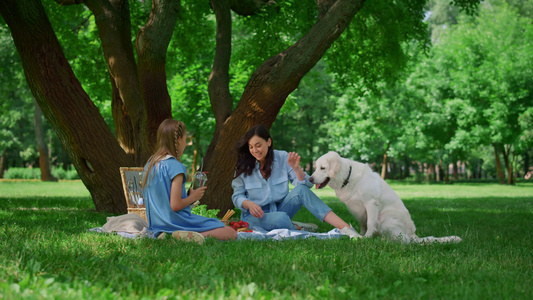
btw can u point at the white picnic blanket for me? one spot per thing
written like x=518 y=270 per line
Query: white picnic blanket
x=133 y=226
x=257 y=234
x=283 y=234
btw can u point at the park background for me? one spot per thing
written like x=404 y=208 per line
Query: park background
x=454 y=105
x=435 y=97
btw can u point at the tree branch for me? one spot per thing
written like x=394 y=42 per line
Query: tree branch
x=324 y=6
x=151 y=45
x=69 y=2
x=219 y=94
x=249 y=7
x=112 y=19
x=277 y=77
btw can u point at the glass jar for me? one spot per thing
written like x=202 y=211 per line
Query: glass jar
x=199 y=179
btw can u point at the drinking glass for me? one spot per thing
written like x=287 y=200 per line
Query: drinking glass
x=199 y=179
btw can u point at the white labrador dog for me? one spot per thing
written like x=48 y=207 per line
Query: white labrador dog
x=369 y=198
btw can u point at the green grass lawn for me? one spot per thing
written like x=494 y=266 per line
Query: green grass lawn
x=48 y=252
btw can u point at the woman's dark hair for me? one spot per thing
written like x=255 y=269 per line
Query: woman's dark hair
x=245 y=160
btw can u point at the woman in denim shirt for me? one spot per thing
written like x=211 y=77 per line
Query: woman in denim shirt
x=261 y=186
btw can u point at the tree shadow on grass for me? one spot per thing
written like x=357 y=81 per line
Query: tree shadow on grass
x=66 y=214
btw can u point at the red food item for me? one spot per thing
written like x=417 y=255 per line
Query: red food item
x=243 y=226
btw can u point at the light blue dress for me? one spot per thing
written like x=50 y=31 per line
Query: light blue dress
x=161 y=217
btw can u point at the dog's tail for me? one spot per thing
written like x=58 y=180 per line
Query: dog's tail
x=442 y=240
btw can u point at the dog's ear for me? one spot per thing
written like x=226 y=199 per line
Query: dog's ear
x=334 y=164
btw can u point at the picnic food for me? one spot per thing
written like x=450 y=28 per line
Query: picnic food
x=240 y=226
x=228 y=215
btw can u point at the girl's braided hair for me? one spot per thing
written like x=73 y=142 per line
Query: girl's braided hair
x=179 y=131
x=169 y=134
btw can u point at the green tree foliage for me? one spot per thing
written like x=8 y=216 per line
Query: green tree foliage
x=475 y=87
x=487 y=61
x=17 y=139
x=472 y=90
x=299 y=126
x=371 y=50
x=440 y=17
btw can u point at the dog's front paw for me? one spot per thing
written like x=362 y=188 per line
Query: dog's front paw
x=349 y=231
x=371 y=233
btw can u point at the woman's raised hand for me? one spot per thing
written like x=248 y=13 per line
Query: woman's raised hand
x=294 y=160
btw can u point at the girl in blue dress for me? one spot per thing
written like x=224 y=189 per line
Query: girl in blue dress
x=167 y=203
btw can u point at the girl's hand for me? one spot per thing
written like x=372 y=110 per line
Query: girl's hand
x=178 y=203
x=197 y=194
x=294 y=160
x=254 y=209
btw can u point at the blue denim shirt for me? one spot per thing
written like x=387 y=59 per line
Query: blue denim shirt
x=266 y=192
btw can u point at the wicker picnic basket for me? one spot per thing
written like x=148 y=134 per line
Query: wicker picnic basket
x=133 y=192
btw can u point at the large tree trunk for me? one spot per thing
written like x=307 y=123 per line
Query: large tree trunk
x=44 y=158
x=84 y=134
x=266 y=90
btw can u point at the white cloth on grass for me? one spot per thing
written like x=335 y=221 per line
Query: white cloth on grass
x=133 y=226
x=130 y=223
x=287 y=234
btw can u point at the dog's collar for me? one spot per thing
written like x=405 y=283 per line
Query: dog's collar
x=347 y=178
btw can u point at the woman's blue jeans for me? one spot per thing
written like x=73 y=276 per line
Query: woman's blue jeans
x=287 y=208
